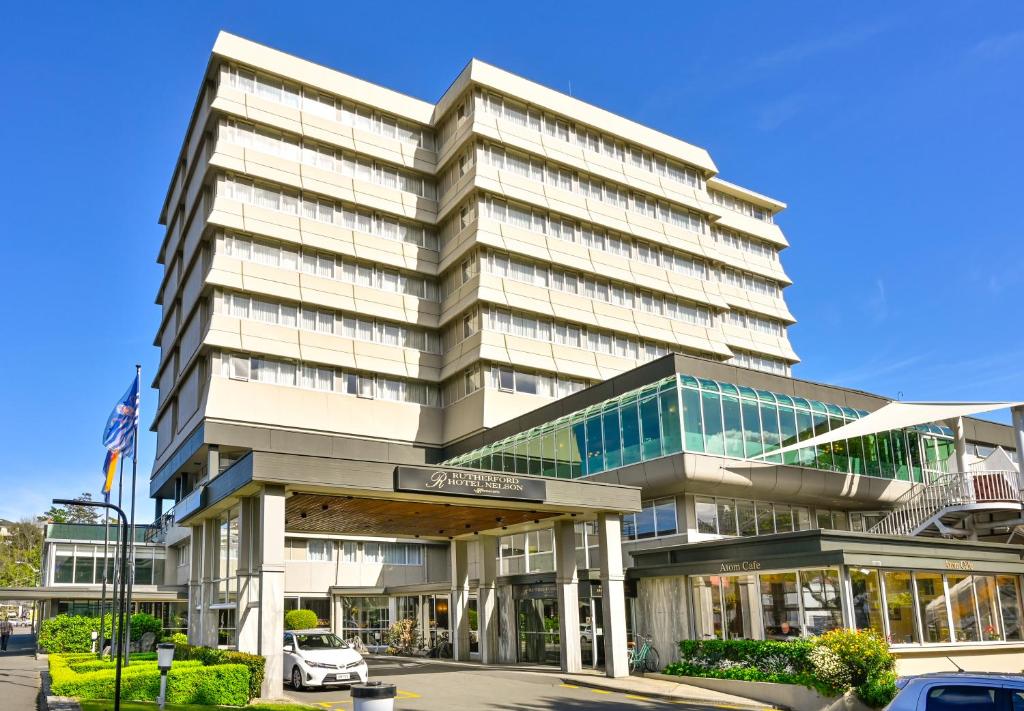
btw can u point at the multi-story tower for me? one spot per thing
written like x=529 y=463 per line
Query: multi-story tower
x=339 y=256
x=358 y=282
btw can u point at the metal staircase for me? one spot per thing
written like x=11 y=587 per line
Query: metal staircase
x=949 y=498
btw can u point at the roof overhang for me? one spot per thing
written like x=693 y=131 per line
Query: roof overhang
x=897 y=416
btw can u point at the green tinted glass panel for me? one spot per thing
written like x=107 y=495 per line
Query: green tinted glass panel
x=548 y=466
x=579 y=447
x=693 y=432
x=733 y=422
x=535 y=444
x=751 y=429
x=671 y=430
x=804 y=431
x=787 y=429
x=595 y=445
x=714 y=441
x=871 y=461
x=650 y=429
x=563 y=451
x=770 y=430
x=612 y=439
x=630 y=433
x=856 y=455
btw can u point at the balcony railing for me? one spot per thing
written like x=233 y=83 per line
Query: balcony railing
x=924 y=504
x=158 y=531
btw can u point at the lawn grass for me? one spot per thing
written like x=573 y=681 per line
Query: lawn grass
x=93 y=705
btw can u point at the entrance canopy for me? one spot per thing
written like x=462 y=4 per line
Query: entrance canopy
x=896 y=416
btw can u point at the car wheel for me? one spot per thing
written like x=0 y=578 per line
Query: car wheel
x=296 y=678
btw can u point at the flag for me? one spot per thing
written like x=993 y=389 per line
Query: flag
x=119 y=435
x=109 y=465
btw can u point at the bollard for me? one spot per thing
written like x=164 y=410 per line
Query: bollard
x=373 y=696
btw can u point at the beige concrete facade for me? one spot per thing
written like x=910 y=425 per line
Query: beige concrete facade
x=456 y=263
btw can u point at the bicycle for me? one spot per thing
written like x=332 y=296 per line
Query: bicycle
x=442 y=648
x=646 y=658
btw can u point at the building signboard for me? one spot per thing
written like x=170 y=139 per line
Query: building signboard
x=455 y=482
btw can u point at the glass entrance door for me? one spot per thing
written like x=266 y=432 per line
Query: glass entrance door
x=591 y=632
x=538 y=631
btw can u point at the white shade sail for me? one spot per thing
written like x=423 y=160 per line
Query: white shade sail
x=897 y=416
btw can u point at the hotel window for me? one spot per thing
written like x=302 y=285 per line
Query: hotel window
x=349 y=552
x=393 y=553
x=655 y=519
x=319 y=550
x=731 y=517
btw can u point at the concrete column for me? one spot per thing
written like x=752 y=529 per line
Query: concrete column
x=960 y=439
x=508 y=641
x=247 y=624
x=1018 y=435
x=195 y=586
x=271 y=593
x=567 y=587
x=457 y=607
x=212 y=462
x=487 y=599
x=211 y=544
x=613 y=600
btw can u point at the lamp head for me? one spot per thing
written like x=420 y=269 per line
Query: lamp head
x=164 y=656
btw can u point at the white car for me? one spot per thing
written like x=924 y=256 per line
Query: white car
x=320 y=658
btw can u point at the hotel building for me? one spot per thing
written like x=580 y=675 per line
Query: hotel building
x=518 y=368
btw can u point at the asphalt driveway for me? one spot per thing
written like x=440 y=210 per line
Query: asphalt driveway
x=425 y=685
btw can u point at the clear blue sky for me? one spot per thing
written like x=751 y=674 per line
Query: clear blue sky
x=893 y=130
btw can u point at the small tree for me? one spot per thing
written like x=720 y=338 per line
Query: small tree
x=300 y=620
x=73 y=513
x=403 y=637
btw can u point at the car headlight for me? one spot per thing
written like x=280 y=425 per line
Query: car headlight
x=319 y=665
x=352 y=665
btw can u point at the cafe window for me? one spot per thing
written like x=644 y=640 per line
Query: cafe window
x=819 y=594
x=899 y=605
x=867 y=600
x=780 y=605
x=931 y=603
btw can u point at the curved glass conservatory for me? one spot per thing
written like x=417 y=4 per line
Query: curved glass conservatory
x=686 y=414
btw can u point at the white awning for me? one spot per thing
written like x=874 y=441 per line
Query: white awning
x=899 y=415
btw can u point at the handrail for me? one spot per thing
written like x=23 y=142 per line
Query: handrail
x=915 y=509
x=161 y=526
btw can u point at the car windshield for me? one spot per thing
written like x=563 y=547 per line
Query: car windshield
x=319 y=641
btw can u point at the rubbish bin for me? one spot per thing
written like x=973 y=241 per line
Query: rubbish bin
x=373 y=696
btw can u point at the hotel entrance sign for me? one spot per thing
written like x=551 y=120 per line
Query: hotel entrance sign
x=454 y=482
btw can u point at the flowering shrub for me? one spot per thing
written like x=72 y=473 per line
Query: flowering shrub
x=831 y=664
x=829 y=668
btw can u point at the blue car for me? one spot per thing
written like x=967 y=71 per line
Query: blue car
x=959 y=691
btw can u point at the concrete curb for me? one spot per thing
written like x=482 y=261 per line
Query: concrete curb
x=596 y=683
x=54 y=703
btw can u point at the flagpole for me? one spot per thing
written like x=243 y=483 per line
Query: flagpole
x=103 y=594
x=135 y=469
x=118 y=578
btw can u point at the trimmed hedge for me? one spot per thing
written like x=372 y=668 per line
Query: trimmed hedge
x=300 y=620
x=73 y=633
x=201 y=676
x=831 y=664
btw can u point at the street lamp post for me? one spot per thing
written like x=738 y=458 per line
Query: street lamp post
x=124 y=565
x=164 y=659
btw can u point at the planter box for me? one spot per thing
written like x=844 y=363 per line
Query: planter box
x=790 y=696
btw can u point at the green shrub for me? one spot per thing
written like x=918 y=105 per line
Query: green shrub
x=878 y=691
x=69 y=633
x=142 y=622
x=863 y=652
x=256 y=666
x=831 y=664
x=179 y=638
x=188 y=682
x=300 y=620
x=222 y=685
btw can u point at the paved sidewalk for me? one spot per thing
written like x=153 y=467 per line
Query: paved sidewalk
x=19 y=673
x=662 y=689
